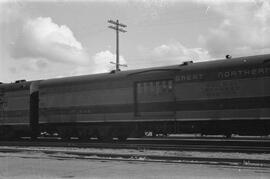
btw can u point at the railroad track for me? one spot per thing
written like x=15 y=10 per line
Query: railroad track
x=56 y=148
x=71 y=155
x=194 y=137
x=147 y=144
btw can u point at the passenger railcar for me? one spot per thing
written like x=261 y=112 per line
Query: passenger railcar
x=230 y=96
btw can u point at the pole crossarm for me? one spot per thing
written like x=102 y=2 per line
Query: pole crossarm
x=123 y=65
x=117 y=27
x=116 y=23
x=121 y=30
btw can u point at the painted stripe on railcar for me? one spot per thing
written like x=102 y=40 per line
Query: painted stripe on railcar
x=218 y=104
x=158 y=120
x=14 y=113
x=228 y=113
x=222 y=118
x=52 y=118
x=14 y=124
x=93 y=109
x=189 y=105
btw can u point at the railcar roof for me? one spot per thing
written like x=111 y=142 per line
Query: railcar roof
x=11 y=86
x=101 y=76
x=221 y=63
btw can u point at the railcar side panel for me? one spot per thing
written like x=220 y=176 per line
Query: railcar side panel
x=228 y=94
x=79 y=104
x=14 y=110
x=15 y=107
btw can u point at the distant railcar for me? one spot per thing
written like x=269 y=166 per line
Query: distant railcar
x=230 y=96
x=14 y=110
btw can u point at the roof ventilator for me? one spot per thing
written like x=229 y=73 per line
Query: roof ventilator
x=186 y=63
x=20 y=81
x=228 y=57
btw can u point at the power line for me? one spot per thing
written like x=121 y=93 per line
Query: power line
x=117 y=27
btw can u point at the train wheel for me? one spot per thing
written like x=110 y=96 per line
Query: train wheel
x=104 y=134
x=104 y=138
x=228 y=135
x=65 y=137
x=122 y=138
x=7 y=133
x=64 y=134
x=154 y=134
x=83 y=135
x=148 y=133
x=122 y=133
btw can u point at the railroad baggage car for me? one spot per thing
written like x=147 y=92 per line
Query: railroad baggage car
x=226 y=97
x=229 y=96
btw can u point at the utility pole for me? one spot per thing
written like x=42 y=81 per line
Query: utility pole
x=117 y=27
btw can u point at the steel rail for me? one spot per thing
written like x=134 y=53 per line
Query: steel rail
x=142 y=158
x=205 y=146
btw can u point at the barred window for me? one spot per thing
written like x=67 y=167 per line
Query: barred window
x=164 y=86
x=145 y=88
x=152 y=87
x=139 y=88
x=157 y=87
x=170 y=85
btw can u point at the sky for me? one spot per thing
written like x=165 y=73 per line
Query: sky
x=53 y=39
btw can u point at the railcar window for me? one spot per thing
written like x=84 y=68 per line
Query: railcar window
x=170 y=85
x=164 y=86
x=155 y=87
x=152 y=88
x=148 y=88
x=139 y=88
x=145 y=88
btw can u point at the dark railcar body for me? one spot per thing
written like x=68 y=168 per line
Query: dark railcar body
x=229 y=96
x=14 y=109
x=226 y=97
x=216 y=97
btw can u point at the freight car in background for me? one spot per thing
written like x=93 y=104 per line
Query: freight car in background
x=226 y=97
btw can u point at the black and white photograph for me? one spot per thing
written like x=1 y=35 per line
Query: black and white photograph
x=134 y=89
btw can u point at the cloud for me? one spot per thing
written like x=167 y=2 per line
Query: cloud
x=42 y=38
x=8 y=11
x=245 y=29
x=170 y=54
x=179 y=51
x=166 y=54
x=38 y=48
x=101 y=63
x=176 y=52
